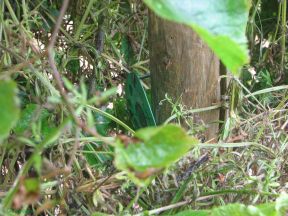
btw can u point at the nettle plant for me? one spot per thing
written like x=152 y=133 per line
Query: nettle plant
x=150 y=150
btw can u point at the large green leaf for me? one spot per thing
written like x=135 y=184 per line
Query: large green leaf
x=278 y=208
x=221 y=24
x=194 y=213
x=152 y=149
x=9 y=107
x=236 y=210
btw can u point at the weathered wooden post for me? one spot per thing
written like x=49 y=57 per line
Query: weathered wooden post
x=182 y=65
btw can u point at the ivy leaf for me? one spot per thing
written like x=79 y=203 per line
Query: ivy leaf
x=9 y=107
x=151 y=150
x=221 y=24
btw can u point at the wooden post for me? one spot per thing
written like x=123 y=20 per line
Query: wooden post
x=182 y=65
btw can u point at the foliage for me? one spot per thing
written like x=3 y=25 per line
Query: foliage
x=68 y=143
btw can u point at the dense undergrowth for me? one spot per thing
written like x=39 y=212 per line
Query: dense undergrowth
x=54 y=163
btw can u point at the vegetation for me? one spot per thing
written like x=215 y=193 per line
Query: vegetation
x=77 y=134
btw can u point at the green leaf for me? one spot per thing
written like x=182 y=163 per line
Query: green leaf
x=221 y=24
x=53 y=134
x=155 y=148
x=282 y=204
x=235 y=210
x=30 y=115
x=99 y=214
x=25 y=118
x=124 y=7
x=37 y=162
x=103 y=123
x=32 y=185
x=73 y=65
x=93 y=157
x=194 y=213
x=268 y=209
x=278 y=208
x=120 y=111
x=9 y=107
x=127 y=51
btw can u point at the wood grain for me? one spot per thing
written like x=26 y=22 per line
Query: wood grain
x=182 y=66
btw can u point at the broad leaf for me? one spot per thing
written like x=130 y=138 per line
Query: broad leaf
x=236 y=210
x=221 y=24
x=9 y=107
x=231 y=209
x=278 y=208
x=194 y=213
x=152 y=149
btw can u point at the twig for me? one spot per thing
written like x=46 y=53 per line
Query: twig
x=165 y=208
x=31 y=67
x=75 y=148
x=20 y=66
x=193 y=167
x=105 y=180
x=57 y=75
x=235 y=191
